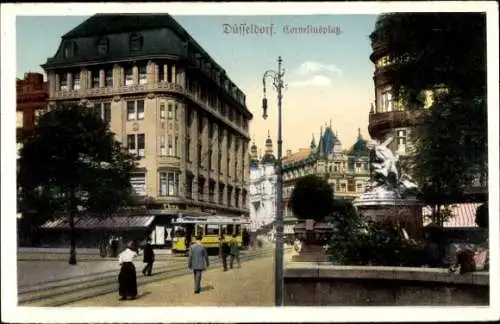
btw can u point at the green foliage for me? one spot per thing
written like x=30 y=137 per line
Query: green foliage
x=355 y=241
x=482 y=215
x=312 y=198
x=72 y=161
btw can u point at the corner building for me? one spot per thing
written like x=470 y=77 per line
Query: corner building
x=167 y=101
x=389 y=117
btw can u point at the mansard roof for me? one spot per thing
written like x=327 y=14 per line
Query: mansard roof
x=159 y=37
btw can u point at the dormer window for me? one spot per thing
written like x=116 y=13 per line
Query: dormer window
x=69 y=49
x=135 y=42
x=103 y=46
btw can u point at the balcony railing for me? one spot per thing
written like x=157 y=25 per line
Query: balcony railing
x=146 y=88
x=397 y=118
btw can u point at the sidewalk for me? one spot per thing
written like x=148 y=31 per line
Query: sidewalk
x=250 y=285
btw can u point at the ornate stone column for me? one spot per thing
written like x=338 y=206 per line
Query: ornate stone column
x=51 y=78
x=57 y=81
x=117 y=76
x=135 y=74
x=102 y=78
x=165 y=72
x=150 y=72
x=70 y=80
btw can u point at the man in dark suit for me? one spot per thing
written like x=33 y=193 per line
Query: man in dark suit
x=223 y=251
x=149 y=258
x=198 y=262
x=234 y=250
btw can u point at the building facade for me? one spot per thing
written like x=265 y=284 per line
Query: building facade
x=262 y=198
x=347 y=171
x=31 y=101
x=389 y=117
x=167 y=101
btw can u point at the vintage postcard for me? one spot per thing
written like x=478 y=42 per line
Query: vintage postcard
x=251 y=157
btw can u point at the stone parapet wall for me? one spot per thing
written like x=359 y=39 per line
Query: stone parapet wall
x=321 y=284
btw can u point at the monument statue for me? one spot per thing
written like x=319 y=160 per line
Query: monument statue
x=385 y=172
x=392 y=194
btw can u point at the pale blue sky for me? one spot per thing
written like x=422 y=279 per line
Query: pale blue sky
x=343 y=96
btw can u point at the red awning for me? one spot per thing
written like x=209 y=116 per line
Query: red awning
x=90 y=222
x=463 y=215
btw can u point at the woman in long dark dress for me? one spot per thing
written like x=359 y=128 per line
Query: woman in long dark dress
x=127 y=279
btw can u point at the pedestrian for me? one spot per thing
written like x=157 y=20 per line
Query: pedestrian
x=198 y=262
x=234 y=250
x=149 y=258
x=224 y=251
x=127 y=279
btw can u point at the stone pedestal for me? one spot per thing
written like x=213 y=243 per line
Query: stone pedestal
x=381 y=204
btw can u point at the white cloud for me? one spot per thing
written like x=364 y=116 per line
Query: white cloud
x=316 y=81
x=310 y=67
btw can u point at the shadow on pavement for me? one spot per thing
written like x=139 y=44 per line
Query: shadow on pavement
x=207 y=288
x=143 y=294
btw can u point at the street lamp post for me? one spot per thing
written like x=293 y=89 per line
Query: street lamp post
x=277 y=78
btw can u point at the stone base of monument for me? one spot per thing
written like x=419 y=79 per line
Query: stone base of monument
x=387 y=205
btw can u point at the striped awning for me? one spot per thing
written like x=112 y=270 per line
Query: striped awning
x=90 y=222
x=463 y=215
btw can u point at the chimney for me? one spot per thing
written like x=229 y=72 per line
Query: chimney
x=288 y=152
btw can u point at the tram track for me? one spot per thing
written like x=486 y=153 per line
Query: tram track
x=72 y=290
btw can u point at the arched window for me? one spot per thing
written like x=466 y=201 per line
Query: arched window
x=135 y=42
x=103 y=46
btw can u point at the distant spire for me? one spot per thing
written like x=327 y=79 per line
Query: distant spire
x=268 y=134
x=330 y=123
x=313 y=142
x=359 y=132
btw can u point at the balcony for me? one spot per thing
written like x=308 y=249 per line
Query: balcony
x=148 y=88
x=379 y=122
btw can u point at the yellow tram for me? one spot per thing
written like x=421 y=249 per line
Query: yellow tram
x=187 y=228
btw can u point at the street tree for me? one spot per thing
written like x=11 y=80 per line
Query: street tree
x=312 y=198
x=433 y=70
x=73 y=163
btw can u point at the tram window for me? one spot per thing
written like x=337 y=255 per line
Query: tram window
x=179 y=232
x=200 y=230
x=212 y=230
x=230 y=229
x=237 y=230
x=224 y=230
